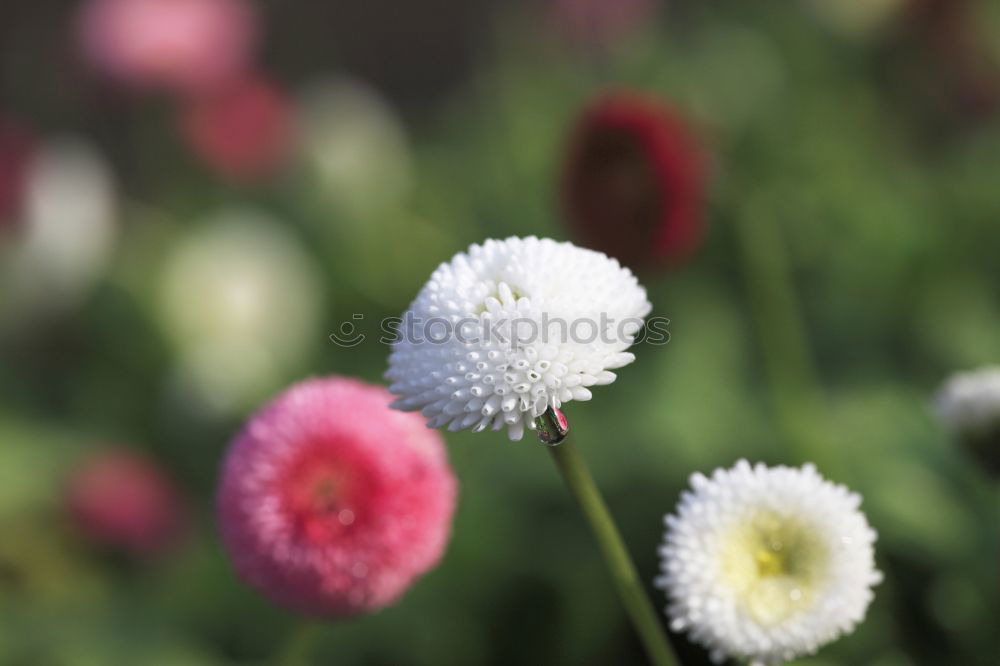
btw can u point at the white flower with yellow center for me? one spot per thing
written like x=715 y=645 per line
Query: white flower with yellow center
x=511 y=328
x=767 y=563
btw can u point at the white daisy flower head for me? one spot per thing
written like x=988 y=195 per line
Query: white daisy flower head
x=767 y=563
x=511 y=330
x=969 y=406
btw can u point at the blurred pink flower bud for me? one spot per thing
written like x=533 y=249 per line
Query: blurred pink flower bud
x=16 y=150
x=181 y=45
x=599 y=22
x=124 y=500
x=331 y=503
x=243 y=131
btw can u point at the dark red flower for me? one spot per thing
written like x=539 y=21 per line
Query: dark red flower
x=633 y=182
x=954 y=57
x=243 y=131
x=123 y=499
x=16 y=150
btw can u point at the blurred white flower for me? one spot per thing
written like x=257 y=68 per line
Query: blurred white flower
x=969 y=406
x=767 y=563
x=354 y=143
x=65 y=237
x=969 y=402
x=510 y=328
x=241 y=301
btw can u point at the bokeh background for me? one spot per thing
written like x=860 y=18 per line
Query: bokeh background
x=168 y=261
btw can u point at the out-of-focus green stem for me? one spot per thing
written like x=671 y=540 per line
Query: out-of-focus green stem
x=299 y=645
x=798 y=396
x=619 y=562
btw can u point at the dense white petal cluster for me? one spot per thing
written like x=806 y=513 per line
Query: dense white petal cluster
x=767 y=563
x=512 y=327
x=969 y=402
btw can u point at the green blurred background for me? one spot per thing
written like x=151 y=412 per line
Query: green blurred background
x=854 y=203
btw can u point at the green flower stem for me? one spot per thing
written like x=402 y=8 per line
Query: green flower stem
x=633 y=596
x=798 y=396
x=300 y=644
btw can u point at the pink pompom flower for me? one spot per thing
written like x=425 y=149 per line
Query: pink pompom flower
x=332 y=504
x=124 y=500
x=243 y=132
x=186 y=46
x=633 y=182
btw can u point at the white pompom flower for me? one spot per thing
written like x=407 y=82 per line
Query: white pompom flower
x=511 y=328
x=767 y=564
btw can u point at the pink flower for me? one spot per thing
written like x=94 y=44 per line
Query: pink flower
x=330 y=503
x=599 y=22
x=244 y=131
x=122 y=499
x=16 y=150
x=180 y=45
x=633 y=182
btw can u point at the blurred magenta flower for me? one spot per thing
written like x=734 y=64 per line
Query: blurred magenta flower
x=16 y=150
x=181 y=45
x=243 y=131
x=599 y=22
x=331 y=503
x=122 y=499
x=633 y=181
